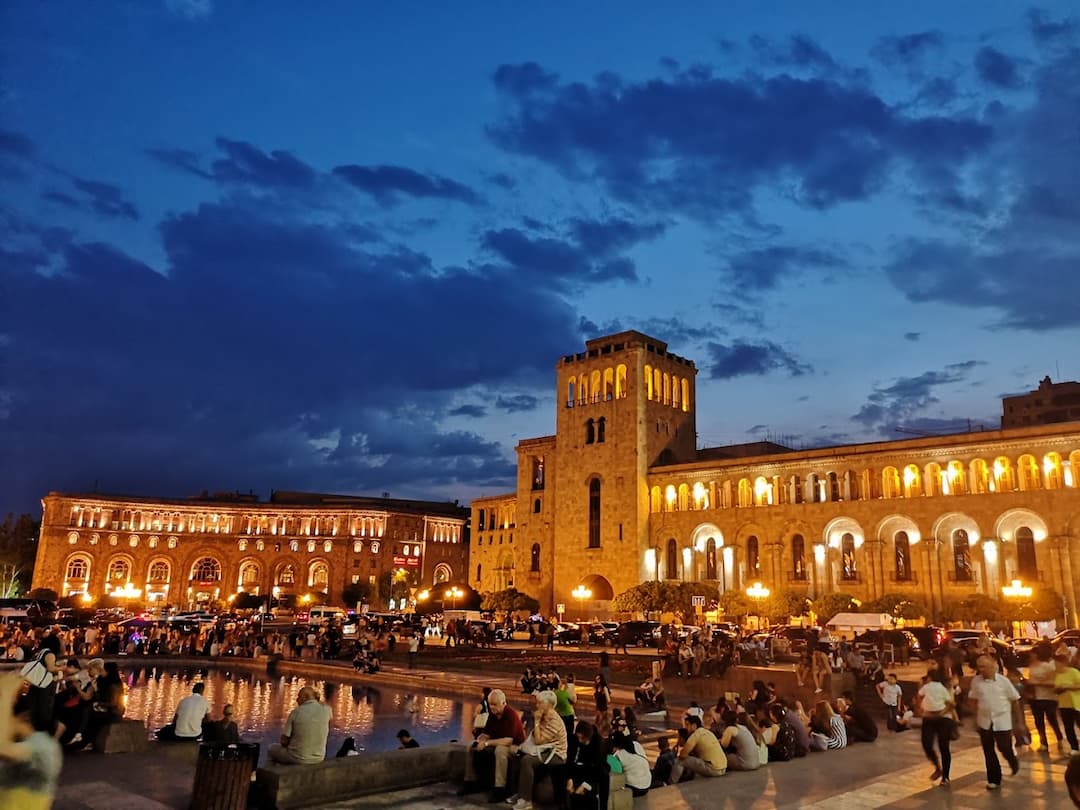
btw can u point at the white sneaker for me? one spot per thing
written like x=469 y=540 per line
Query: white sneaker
x=77 y=738
x=514 y=799
x=523 y=804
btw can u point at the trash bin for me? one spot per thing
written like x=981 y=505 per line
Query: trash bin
x=223 y=775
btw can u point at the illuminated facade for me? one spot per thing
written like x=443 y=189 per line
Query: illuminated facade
x=194 y=551
x=620 y=495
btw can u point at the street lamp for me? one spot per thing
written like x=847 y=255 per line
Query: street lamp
x=582 y=594
x=454 y=594
x=757 y=592
x=1017 y=590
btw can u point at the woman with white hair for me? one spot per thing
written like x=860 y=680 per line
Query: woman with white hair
x=544 y=750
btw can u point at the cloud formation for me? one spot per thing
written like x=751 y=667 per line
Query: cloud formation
x=896 y=404
x=388 y=185
x=743 y=358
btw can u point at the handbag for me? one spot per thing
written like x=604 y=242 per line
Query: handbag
x=480 y=721
x=36 y=673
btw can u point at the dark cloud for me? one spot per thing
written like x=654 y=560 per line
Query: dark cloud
x=587 y=253
x=502 y=180
x=389 y=184
x=105 y=199
x=799 y=51
x=471 y=411
x=182 y=159
x=674 y=331
x=903 y=50
x=669 y=143
x=763 y=269
x=742 y=358
x=242 y=164
x=518 y=403
x=912 y=336
x=260 y=333
x=899 y=402
x=996 y=68
x=1046 y=30
x=15 y=144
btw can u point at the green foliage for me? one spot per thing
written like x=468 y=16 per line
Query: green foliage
x=508 y=601
x=780 y=606
x=734 y=604
x=899 y=606
x=18 y=549
x=665 y=597
x=828 y=605
x=972 y=609
x=357 y=592
x=1043 y=605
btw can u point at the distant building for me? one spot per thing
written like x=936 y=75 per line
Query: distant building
x=187 y=552
x=621 y=495
x=1051 y=403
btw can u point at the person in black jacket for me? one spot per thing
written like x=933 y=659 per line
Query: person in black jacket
x=586 y=779
x=860 y=725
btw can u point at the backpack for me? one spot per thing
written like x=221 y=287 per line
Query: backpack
x=786 y=746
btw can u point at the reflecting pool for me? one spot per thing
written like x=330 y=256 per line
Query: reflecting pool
x=372 y=715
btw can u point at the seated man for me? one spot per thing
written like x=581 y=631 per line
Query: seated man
x=702 y=754
x=548 y=753
x=303 y=740
x=224 y=730
x=494 y=744
x=187 y=724
x=860 y=725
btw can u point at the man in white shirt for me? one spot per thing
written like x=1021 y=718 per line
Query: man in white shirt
x=190 y=713
x=995 y=699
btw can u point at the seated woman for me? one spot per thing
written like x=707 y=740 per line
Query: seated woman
x=739 y=744
x=585 y=775
x=635 y=765
x=828 y=730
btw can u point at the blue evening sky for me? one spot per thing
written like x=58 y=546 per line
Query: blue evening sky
x=341 y=246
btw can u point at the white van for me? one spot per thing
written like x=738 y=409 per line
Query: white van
x=324 y=614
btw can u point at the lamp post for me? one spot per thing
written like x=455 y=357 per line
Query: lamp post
x=582 y=594
x=1016 y=590
x=757 y=592
x=454 y=594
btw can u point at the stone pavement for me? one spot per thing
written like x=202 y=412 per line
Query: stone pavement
x=890 y=773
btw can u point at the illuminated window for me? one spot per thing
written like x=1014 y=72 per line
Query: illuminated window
x=753 y=556
x=159 y=572
x=78 y=568
x=848 y=570
x=902 y=556
x=798 y=557
x=206 y=569
x=594 y=513
x=961 y=548
x=119 y=570
x=671 y=560
x=287 y=576
x=1026 y=562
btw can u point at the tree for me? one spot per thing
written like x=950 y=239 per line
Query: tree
x=734 y=604
x=780 y=606
x=356 y=593
x=828 y=605
x=665 y=597
x=18 y=549
x=47 y=594
x=899 y=606
x=508 y=601
x=1043 y=605
x=971 y=609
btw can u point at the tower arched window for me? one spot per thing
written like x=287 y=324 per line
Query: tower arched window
x=479 y=570
x=902 y=556
x=536 y=506
x=601 y=429
x=848 y=569
x=1026 y=563
x=534 y=558
x=753 y=556
x=798 y=557
x=590 y=431
x=594 y=513
x=671 y=562
x=961 y=549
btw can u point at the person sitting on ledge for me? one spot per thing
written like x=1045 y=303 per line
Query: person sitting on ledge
x=303 y=740
x=405 y=740
x=224 y=730
x=702 y=754
x=187 y=724
x=495 y=742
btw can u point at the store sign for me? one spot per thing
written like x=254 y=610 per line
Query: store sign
x=412 y=562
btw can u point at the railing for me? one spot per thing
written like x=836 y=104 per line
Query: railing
x=962 y=577
x=907 y=576
x=854 y=576
x=797 y=576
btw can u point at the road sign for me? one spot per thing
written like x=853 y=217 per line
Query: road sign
x=560 y=608
x=697 y=601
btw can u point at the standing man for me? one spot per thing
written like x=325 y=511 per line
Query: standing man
x=995 y=699
x=303 y=740
x=414 y=648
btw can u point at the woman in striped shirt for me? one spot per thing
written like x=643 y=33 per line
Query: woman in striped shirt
x=828 y=729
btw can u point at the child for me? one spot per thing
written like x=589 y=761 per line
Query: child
x=661 y=772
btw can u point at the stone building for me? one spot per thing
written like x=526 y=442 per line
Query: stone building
x=621 y=495
x=1049 y=404
x=193 y=551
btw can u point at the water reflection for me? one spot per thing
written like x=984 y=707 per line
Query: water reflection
x=262 y=702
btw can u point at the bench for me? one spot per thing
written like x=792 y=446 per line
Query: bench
x=287 y=786
x=122 y=737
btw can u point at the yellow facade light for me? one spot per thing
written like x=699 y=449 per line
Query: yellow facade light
x=1017 y=590
x=757 y=591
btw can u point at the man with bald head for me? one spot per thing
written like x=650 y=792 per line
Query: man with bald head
x=996 y=704
x=303 y=740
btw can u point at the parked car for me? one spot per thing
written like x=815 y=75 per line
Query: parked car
x=636 y=633
x=930 y=638
x=1070 y=638
x=568 y=633
x=897 y=638
x=1022 y=648
x=792 y=638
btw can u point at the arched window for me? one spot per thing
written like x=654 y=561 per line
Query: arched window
x=119 y=570
x=206 y=570
x=834 y=488
x=746 y=492
x=753 y=559
x=649 y=383
x=601 y=429
x=796 y=489
x=814 y=484
x=620 y=381
x=912 y=481
x=658 y=385
x=890 y=483
x=479 y=569
x=980 y=477
x=1003 y=475
x=534 y=562
x=902 y=555
x=684 y=497
x=1052 y=471
x=78 y=568
x=852 y=485
x=676 y=393
x=1026 y=563
x=159 y=572
x=961 y=551
x=594 y=386
x=590 y=431
x=570 y=394
x=1028 y=468
x=934 y=481
x=609 y=384
x=249 y=574
x=671 y=562
x=685 y=394
x=319 y=576
x=594 y=513
x=287 y=575
x=798 y=557
x=536 y=506
x=654 y=500
x=667 y=388
x=710 y=558
x=442 y=573
x=848 y=570
x=955 y=479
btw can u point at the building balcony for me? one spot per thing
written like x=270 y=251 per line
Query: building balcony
x=853 y=578
x=906 y=578
x=797 y=576
x=961 y=577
